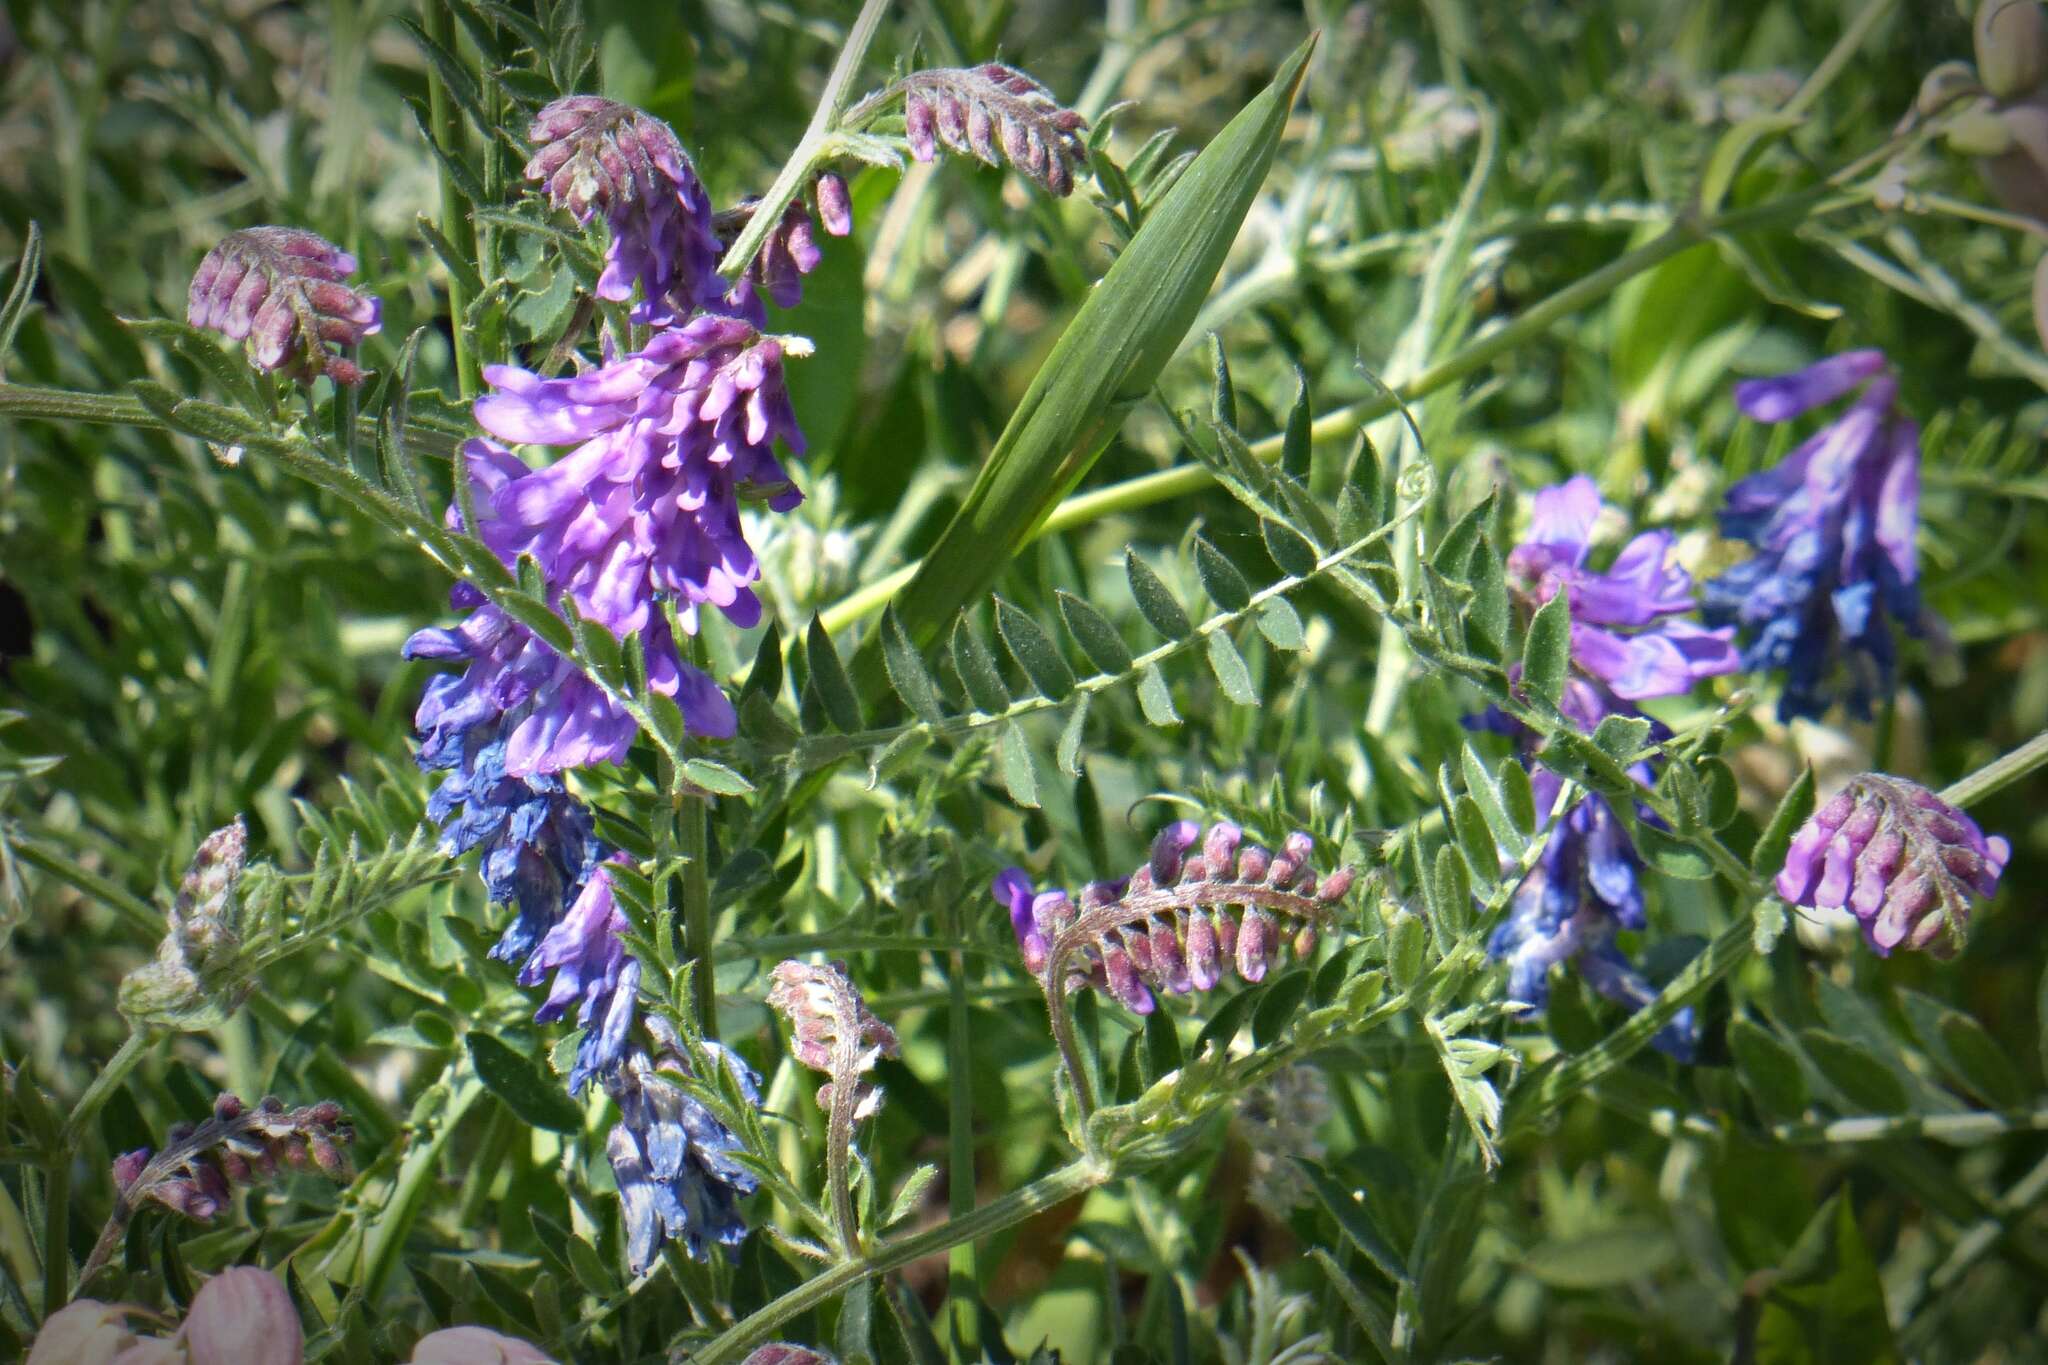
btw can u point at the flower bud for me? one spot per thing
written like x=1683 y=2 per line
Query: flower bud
x=835 y=205
x=1944 y=85
x=282 y=290
x=244 y=1316
x=1253 y=863
x=1202 y=953
x=783 y=1353
x=476 y=1346
x=1219 y=845
x=1900 y=859
x=1169 y=965
x=85 y=1332
x=2018 y=175
x=2041 y=299
x=2012 y=46
x=1254 y=943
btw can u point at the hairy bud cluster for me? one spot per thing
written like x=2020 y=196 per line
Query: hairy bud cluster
x=1900 y=859
x=835 y=1031
x=1203 y=903
x=282 y=290
x=192 y=979
x=195 y=1173
x=995 y=112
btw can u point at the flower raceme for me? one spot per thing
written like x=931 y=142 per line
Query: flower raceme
x=283 y=290
x=1832 y=525
x=1203 y=902
x=593 y=972
x=597 y=156
x=672 y=1158
x=195 y=1173
x=1900 y=859
x=1629 y=642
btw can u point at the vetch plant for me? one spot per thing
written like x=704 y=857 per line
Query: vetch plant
x=1426 y=548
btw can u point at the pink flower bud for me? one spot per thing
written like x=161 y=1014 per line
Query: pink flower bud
x=835 y=205
x=244 y=1316
x=476 y=1346
x=85 y=1332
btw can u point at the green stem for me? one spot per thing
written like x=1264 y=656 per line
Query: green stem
x=1729 y=950
x=1998 y=774
x=693 y=845
x=790 y=182
x=386 y=1237
x=1343 y=422
x=57 y=1231
x=133 y=1049
x=121 y=410
x=963 y=1277
x=1076 y=1178
x=1838 y=56
x=445 y=121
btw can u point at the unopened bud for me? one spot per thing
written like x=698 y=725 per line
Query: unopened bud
x=835 y=205
x=244 y=1316
x=1944 y=85
x=2012 y=46
x=2018 y=176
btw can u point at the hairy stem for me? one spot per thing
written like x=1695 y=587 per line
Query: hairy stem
x=1075 y=1178
x=824 y=120
x=1339 y=423
x=445 y=119
x=1999 y=774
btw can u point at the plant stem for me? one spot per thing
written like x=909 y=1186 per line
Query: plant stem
x=963 y=1323
x=386 y=1237
x=57 y=1231
x=445 y=122
x=130 y=1054
x=1339 y=423
x=789 y=183
x=693 y=844
x=1998 y=774
x=121 y=410
x=1838 y=56
x=1077 y=1177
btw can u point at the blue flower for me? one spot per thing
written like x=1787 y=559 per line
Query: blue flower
x=672 y=1158
x=1833 y=527
x=538 y=842
x=592 y=970
x=1626 y=630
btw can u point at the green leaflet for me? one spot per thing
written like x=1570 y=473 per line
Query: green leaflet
x=1106 y=360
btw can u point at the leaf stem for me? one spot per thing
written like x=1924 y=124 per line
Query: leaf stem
x=1077 y=1177
x=692 y=814
x=1998 y=774
x=1339 y=423
x=789 y=183
x=456 y=226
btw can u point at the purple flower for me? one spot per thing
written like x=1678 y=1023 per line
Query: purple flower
x=1198 y=906
x=667 y=442
x=282 y=289
x=1833 y=527
x=672 y=1158
x=1900 y=859
x=778 y=269
x=592 y=971
x=1625 y=626
x=596 y=155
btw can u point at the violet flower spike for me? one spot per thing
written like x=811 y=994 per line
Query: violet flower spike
x=1626 y=631
x=593 y=971
x=1197 y=907
x=1900 y=859
x=283 y=290
x=594 y=155
x=671 y=1156
x=1835 y=567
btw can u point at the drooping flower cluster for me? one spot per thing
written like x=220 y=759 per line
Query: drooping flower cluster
x=995 y=111
x=595 y=155
x=835 y=1031
x=1629 y=641
x=284 y=291
x=1834 y=568
x=636 y=527
x=200 y=1164
x=1203 y=902
x=1900 y=859
x=672 y=1158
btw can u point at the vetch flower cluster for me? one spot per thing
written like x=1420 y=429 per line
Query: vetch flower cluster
x=201 y=1163
x=597 y=156
x=1202 y=903
x=672 y=1158
x=1833 y=526
x=835 y=1031
x=1900 y=859
x=995 y=111
x=284 y=291
x=1629 y=642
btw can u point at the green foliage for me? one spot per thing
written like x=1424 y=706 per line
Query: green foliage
x=1193 y=493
